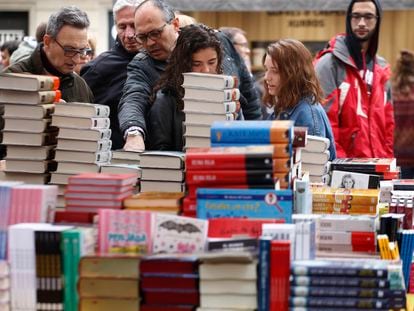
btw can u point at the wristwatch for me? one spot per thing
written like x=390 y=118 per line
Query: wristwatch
x=134 y=133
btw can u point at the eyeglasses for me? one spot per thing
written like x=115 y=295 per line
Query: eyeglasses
x=153 y=34
x=71 y=52
x=368 y=18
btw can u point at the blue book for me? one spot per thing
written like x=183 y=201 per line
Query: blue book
x=246 y=203
x=253 y=132
x=263 y=278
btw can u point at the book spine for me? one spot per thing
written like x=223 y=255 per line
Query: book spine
x=300 y=136
x=328 y=291
x=339 y=271
x=233 y=245
x=48 y=97
x=340 y=282
x=100 y=123
x=101 y=111
x=249 y=177
x=355 y=303
x=263 y=277
x=231 y=94
x=303 y=197
x=279 y=275
x=230 y=82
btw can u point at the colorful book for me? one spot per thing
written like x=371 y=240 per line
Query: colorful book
x=365 y=165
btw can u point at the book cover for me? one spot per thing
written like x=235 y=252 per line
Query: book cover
x=30 y=152
x=243 y=158
x=108 y=304
x=365 y=165
x=103 y=179
x=230 y=270
x=254 y=132
x=82 y=157
x=124 y=231
x=341 y=282
x=28 y=82
x=196 y=141
x=209 y=81
x=192 y=189
x=164 y=186
x=279 y=275
x=233 y=227
x=155 y=199
x=253 y=203
x=349 y=179
x=315 y=157
x=196 y=130
x=228 y=301
x=85 y=110
x=29 y=139
x=232 y=244
x=168 y=297
x=162 y=174
x=30 y=166
x=177 y=234
x=170 y=281
x=215 y=177
x=263 y=274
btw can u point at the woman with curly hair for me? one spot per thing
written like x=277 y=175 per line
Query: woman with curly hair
x=197 y=50
x=293 y=90
x=403 y=97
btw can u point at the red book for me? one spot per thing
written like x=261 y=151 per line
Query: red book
x=229 y=227
x=182 y=265
x=279 y=275
x=190 y=204
x=158 y=307
x=211 y=177
x=103 y=179
x=240 y=158
x=171 y=297
x=74 y=217
x=169 y=281
x=300 y=138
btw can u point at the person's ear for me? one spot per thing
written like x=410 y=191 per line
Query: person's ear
x=176 y=24
x=47 y=39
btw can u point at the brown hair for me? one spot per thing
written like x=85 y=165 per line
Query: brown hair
x=403 y=78
x=297 y=75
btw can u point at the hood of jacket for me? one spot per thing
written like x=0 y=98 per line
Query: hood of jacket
x=354 y=44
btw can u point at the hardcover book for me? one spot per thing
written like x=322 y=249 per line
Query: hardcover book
x=80 y=122
x=85 y=134
x=211 y=107
x=155 y=199
x=209 y=81
x=248 y=177
x=177 y=234
x=30 y=152
x=28 y=82
x=27 y=125
x=109 y=266
x=317 y=144
x=365 y=165
x=212 y=95
x=85 y=110
x=32 y=112
x=197 y=130
x=29 y=139
x=29 y=97
x=348 y=179
x=206 y=118
x=162 y=159
x=84 y=145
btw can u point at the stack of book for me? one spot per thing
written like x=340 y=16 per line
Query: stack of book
x=229 y=167
x=228 y=280
x=347 y=284
x=90 y=192
x=208 y=98
x=315 y=159
x=363 y=173
x=169 y=283
x=162 y=202
x=108 y=283
x=345 y=201
x=278 y=134
x=83 y=141
x=4 y=285
x=162 y=171
x=30 y=139
x=346 y=235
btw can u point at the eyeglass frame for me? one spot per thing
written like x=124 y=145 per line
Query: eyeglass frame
x=154 y=34
x=72 y=52
x=368 y=18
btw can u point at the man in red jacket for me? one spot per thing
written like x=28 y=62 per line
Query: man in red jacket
x=356 y=85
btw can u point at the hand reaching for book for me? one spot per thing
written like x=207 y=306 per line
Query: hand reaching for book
x=134 y=143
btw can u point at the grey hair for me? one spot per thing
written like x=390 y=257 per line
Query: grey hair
x=120 y=4
x=166 y=10
x=66 y=16
x=231 y=32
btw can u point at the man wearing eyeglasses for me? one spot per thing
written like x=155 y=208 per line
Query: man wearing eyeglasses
x=106 y=74
x=356 y=85
x=157 y=29
x=64 y=44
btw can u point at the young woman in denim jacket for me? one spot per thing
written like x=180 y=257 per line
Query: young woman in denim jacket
x=292 y=88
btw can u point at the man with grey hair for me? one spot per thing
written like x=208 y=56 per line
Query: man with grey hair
x=106 y=74
x=65 y=42
x=157 y=29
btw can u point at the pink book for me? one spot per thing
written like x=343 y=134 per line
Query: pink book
x=124 y=231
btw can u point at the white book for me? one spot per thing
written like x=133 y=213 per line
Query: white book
x=196 y=141
x=82 y=156
x=211 y=107
x=228 y=301
x=86 y=110
x=80 y=123
x=211 y=81
x=316 y=144
x=206 y=118
x=315 y=157
x=228 y=287
x=345 y=223
x=84 y=145
x=85 y=134
x=197 y=130
x=228 y=271
x=212 y=95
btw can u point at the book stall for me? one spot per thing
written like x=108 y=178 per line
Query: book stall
x=252 y=215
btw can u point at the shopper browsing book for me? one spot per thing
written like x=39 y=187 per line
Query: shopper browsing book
x=292 y=88
x=197 y=50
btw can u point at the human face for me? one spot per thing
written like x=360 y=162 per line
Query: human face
x=364 y=20
x=241 y=45
x=348 y=183
x=68 y=37
x=160 y=35
x=272 y=76
x=204 y=61
x=5 y=58
x=125 y=28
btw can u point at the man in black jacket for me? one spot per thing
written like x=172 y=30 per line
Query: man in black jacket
x=157 y=30
x=106 y=74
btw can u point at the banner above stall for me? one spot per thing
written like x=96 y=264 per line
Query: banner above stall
x=278 y=5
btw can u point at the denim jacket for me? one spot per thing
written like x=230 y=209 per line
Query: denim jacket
x=313 y=117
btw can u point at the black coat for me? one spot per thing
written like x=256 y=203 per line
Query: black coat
x=106 y=76
x=144 y=72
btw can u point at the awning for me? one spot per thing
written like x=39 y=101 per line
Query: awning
x=278 y=5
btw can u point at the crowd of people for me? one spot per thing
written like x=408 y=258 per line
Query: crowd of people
x=347 y=93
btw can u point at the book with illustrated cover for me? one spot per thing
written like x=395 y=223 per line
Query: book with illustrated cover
x=365 y=165
x=212 y=95
x=233 y=227
x=210 y=81
x=29 y=97
x=177 y=234
x=348 y=179
x=85 y=110
x=342 y=195
x=29 y=112
x=162 y=159
x=28 y=82
x=252 y=132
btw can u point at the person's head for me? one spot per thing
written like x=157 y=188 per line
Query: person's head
x=185 y=20
x=362 y=28
x=6 y=50
x=87 y=58
x=348 y=182
x=66 y=38
x=40 y=31
x=156 y=28
x=289 y=75
x=403 y=75
x=123 y=12
x=197 y=50
x=239 y=40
